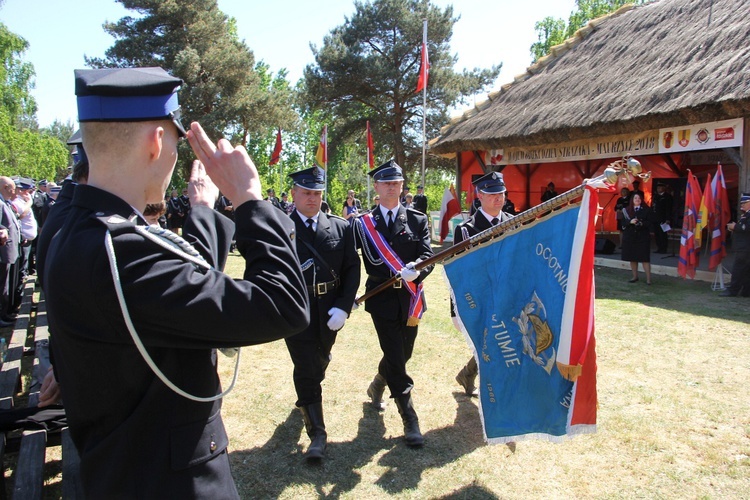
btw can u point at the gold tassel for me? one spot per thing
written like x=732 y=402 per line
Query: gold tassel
x=412 y=321
x=570 y=372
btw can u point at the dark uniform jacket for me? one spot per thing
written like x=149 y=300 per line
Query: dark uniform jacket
x=475 y=225
x=410 y=239
x=741 y=234
x=55 y=218
x=662 y=207
x=136 y=437
x=334 y=242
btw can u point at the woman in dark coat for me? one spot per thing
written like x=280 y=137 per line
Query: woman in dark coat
x=636 y=239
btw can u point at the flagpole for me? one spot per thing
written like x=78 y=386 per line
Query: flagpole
x=424 y=104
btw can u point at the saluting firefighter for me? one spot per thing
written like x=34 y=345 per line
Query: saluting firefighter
x=141 y=311
x=394 y=240
x=490 y=189
x=331 y=267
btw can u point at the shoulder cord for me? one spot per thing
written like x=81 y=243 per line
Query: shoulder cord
x=360 y=231
x=129 y=323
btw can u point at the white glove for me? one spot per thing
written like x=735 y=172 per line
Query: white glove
x=408 y=273
x=355 y=306
x=337 y=319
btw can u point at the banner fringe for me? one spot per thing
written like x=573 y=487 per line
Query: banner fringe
x=570 y=372
x=540 y=436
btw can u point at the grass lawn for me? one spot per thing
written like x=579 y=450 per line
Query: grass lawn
x=674 y=418
x=674 y=410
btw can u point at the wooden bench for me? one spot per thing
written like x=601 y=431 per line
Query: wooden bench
x=30 y=337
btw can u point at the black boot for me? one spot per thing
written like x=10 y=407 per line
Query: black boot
x=375 y=392
x=412 y=433
x=316 y=431
x=466 y=377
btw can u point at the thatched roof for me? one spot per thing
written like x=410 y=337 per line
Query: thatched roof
x=663 y=64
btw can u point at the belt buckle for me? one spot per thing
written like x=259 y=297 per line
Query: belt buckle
x=398 y=284
x=321 y=288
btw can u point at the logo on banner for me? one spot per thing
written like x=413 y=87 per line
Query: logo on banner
x=702 y=136
x=537 y=334
x=495 y=156
x=684 y=135
x=724 y=134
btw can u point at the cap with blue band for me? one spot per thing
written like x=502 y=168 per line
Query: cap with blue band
x=127 y=94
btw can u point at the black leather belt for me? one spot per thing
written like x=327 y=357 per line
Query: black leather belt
x=322 y=288
x=378 y=279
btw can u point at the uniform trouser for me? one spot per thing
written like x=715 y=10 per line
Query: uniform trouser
x=661 y=238
x=740 y=274
x=14 y=279
x=397 y=343
x=4 y=288
x=311 y=352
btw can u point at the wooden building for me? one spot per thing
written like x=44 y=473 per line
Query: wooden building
x=667 y=82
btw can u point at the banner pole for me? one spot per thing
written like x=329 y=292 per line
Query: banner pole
x=610 y=177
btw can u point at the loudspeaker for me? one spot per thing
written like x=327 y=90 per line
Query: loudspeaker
x=605 y=246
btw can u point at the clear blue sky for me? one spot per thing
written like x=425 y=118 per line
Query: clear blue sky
x=278 y=32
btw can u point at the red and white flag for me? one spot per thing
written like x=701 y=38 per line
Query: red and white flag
x=276 y=155
x=370 y=148
x=424 y=67
x=449 y=208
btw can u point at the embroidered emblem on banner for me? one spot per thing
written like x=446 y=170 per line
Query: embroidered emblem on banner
x=537 y=334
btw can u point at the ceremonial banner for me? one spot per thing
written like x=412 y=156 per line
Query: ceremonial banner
x=449 y=208
x=525 y=302
x=689 y=256
x=719 y=221
x=321 y=155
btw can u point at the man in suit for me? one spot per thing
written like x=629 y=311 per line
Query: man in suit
x=661 y=207
x=9 y=252
x=139 y=311
x=330 y=263
x=490 y=189
x=394 y=240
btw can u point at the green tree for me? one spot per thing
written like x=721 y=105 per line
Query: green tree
x=367 y=69
x=224 y=89
x=24 y=150
x=551 y=31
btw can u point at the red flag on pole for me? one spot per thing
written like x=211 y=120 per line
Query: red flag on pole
x=321 y=155
x=370 y=148
x=689 y=257
x=276 y=155
x=720 y=220
x=424 y=67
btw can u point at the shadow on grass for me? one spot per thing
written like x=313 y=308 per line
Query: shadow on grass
x=676 y=294
x=267 y=471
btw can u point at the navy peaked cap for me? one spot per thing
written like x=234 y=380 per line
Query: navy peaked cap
x=24 y=183
x=745 y=197
x=76 y=138
x=127 y=94
x=491 y=183
x=313 y=178
x=388 y=171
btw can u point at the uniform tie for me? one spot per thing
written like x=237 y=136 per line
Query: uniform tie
x=310 y=225
x=495 y=221
x=389 y=215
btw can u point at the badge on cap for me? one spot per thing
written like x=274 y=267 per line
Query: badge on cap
x=313 y=178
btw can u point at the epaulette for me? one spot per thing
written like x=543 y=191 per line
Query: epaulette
x=115 y=223
x=332 y=216
x=415 y=212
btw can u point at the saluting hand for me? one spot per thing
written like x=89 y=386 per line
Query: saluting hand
x=230 y=168
x=201 y=188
